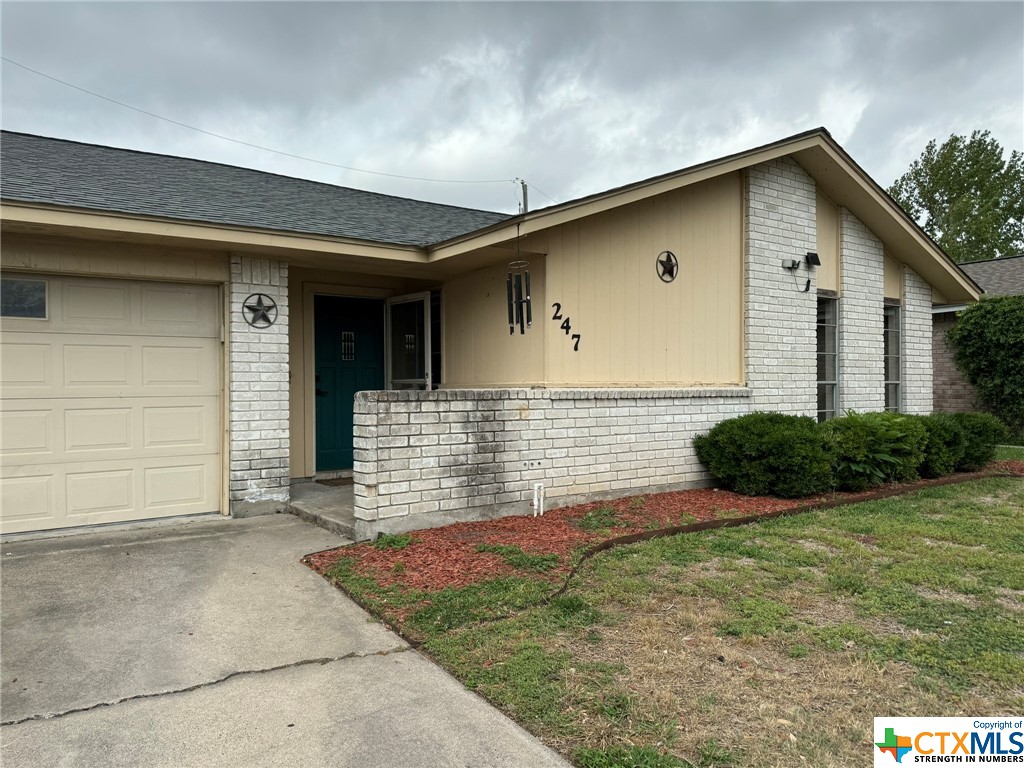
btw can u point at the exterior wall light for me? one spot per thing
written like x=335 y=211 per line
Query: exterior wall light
x=790 y=264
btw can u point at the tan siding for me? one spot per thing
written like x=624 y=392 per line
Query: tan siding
x=478 y=350
x=85 y=257
x=828 y=243
x=893 y=278
x=635 y=329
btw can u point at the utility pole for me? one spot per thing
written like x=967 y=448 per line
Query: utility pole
x=526 y=198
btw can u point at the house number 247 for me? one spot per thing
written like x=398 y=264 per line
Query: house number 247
x=566 y=326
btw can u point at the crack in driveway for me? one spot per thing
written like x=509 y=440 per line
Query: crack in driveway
x=239 y=673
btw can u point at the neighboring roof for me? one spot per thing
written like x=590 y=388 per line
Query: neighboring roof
x=48 y=171
x=998 y=277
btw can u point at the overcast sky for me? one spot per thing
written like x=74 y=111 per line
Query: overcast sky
x=573 y=97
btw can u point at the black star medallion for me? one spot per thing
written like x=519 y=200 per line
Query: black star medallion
x=260 y=311
x=668 y=266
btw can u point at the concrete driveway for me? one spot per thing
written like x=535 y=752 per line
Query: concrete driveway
x=208 y=643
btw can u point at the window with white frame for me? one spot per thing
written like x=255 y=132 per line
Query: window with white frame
x=892 y=357
x=828 y=357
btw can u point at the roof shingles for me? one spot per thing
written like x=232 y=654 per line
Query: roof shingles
x=47 y=171
x=998 y=277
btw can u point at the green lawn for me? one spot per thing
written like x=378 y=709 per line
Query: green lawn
x=1010 y=452
x=767 y=645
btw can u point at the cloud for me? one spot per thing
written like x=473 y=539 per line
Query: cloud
x=575 y=97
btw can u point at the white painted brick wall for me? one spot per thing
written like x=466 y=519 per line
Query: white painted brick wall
x=425 y=459
x=258 y=381
x=780 y=317
x=917 y=343
x=861 y=317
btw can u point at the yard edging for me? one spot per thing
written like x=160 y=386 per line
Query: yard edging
x=733 y=522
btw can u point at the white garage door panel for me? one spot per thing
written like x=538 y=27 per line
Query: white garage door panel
x=93 y=365
x=111 y=406
x=88 y=305
x=34 y=431
x=28 y=503
x=25 y=364
x=26 y=432
x=98 y=303
x=41 y=496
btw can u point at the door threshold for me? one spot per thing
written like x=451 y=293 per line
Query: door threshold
x=338 y=474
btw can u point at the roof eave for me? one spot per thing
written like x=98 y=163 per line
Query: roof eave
x=958 y=285
x=543 y=218
x=820 y=155
x=42 y=219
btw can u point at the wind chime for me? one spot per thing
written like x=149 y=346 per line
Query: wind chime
x=517 y=288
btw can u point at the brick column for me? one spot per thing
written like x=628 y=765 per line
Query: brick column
x=916 y=354
x=258 y=390
x=780 y=332
x=861 y=317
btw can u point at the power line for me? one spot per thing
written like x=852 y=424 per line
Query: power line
x=246 y=143
x=534 y=187
x=515 y=194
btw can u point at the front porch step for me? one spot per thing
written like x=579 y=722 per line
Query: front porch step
x=330 y=507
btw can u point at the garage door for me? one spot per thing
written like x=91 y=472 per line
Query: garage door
x=111 y=401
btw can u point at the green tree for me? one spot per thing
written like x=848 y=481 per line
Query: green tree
x=967 y=197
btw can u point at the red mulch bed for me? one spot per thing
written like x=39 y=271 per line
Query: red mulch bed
x=1010 y=466
x=446 y=557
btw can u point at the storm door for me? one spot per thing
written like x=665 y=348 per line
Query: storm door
x=408 y=342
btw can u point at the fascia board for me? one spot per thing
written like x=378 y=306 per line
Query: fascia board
x=526 y=224
x=48 y=220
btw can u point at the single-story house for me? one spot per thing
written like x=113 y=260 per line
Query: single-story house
x=183 y=336
x=952 y=393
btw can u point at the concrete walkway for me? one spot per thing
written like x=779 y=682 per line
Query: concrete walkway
x=208 y=643
x=330 y=507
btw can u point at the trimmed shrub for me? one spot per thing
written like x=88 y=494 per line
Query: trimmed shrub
x=904 y=437
x=855 y=466
x=763 y=454
x=982 y=433
x=869 y=449
x=944 y=446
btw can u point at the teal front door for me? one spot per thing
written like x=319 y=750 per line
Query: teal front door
x=349 y=358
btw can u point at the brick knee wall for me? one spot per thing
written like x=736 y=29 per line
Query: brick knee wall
x=425 y=459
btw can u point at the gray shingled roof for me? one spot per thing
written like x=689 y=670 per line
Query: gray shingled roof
x=36 y=169
x=998 y=277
